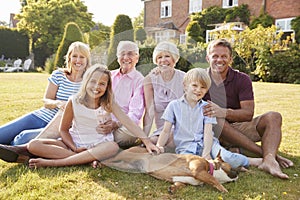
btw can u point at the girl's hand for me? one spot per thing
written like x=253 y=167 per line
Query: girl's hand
x=150 y=146
x=161 y=149
x=79 y=149
x=106 y=127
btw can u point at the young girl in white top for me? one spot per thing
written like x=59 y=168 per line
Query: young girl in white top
x=84 y=112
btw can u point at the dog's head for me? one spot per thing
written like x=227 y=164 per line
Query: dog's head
x=223 y=171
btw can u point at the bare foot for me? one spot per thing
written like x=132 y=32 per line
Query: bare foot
x=95 y=164
x=271 y=166
x=39 y=162
x=284 y=162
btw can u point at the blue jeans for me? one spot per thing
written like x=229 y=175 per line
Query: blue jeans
x=10 y=130
x=25 y=136
x=234 y=159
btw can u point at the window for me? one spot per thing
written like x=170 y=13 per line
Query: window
x=166 y=9
x=284 y=24
x=164 y=35
x=182 y=39
x=195 y=6
x=230 y=3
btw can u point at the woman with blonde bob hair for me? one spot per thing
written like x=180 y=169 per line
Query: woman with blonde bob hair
x=161 y=86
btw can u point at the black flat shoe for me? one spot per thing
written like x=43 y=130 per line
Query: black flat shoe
x=11 y=154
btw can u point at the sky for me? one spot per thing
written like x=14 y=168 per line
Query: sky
x=106 y=13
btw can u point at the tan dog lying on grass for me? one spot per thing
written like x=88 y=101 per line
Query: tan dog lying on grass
x=176 y=168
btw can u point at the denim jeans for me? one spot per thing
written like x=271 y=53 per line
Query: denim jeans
x=10 y=130
x=25 y=136
x=234 y=159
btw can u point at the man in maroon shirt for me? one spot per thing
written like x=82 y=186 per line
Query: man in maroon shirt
x=231 y=100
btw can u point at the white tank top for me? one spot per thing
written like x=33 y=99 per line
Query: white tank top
x=85 y=121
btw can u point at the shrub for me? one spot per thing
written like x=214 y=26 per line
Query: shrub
x=122 y=29
x=72 y=34
x=282 y=66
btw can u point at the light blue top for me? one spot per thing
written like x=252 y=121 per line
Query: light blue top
x=188 y=124
x=66 y=88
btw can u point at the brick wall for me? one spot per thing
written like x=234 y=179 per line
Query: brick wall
x=179 y=16
x=283 y=8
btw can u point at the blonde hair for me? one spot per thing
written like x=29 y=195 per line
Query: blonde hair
x=219 y=42
x=166 y=46
x=81 y=47
x=199 y=75
x=127 y=46
x=106 y=100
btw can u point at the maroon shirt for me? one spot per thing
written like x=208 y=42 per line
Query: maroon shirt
x=235 y=88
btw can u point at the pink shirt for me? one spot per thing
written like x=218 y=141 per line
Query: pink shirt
x=129 y=93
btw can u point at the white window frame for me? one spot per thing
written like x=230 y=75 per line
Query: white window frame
x=166 y=9
x=230 y=3
x=182 y=38
x=284 y=24
x=164 y=35
x=195 y=6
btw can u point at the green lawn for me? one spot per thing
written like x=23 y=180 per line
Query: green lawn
x=23 y=92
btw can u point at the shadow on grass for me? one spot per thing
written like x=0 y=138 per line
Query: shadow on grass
x=254 y=184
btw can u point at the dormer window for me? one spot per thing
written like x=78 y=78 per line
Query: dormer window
x=166 y=9
x=195 y=6
x=230 y=3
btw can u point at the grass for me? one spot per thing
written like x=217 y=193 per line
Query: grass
x=22 y=92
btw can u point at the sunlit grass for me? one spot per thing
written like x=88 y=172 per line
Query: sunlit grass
x=23 y=92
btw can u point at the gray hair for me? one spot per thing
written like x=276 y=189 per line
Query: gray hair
x=127 y=46
x=166 y=47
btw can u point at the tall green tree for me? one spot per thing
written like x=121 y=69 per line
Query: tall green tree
x=121 y=30
x=44 y=21
x=72 y=34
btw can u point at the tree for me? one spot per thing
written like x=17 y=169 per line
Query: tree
x=264 y=20
x=295 y=23
x=121 y=30
x=216 y=15
x=194 y=32
x=72 y=34
x=140 y=35
x=44 y=21
x=99 y=35
x=138 y=21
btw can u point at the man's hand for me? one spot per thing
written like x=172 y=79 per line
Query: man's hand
x=213 y=110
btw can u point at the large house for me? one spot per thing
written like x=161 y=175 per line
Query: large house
x=168 y=19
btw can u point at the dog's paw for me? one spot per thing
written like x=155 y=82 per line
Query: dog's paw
x=172 y=189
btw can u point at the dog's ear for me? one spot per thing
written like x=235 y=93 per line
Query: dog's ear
x=219 y=157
